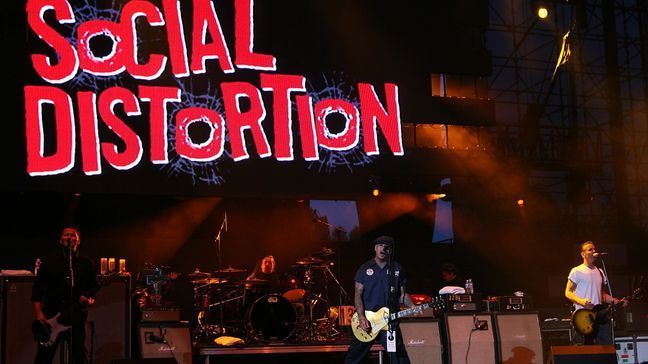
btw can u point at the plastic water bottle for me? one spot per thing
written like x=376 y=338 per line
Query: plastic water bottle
x=469 y=286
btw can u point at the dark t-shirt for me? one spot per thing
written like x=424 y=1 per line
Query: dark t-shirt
x=375 y=281
x=52 y=284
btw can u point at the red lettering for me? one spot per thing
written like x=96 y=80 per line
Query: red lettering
x=63 y=159
x=207 y=151
x=88 y=130
x=206 y=20
x=307 y=128
x=281 y=86
x=158 y=97
x=108 y=65
x=374 y=114
x=244 y=32
x=349 y=136
x=238 y=121
x=132 y=151
x=131 y=11
x=57 y=69
x=176 y=39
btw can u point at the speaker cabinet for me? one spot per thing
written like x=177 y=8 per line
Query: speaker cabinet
x=463 y=339
x=17 y=344
x=518 y=337
x=109 y=321
x=590 y=354
x=422 y=340
x=165 y=340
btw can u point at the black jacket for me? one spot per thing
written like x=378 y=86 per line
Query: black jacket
x=52 y=284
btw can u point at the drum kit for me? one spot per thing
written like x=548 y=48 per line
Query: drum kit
x=298 y=310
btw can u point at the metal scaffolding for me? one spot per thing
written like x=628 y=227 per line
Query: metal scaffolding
x=582 y=135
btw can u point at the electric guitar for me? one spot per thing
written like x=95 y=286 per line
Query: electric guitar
x=46 y=334
x=587 y=321
x=380 y=319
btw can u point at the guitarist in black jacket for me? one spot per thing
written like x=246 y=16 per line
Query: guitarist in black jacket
x=586 y=289
x=372 y=292
x=52 y=293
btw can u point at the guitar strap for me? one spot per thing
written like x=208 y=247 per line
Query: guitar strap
x=603 y=278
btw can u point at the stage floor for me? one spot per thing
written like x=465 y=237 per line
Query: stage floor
x=278 y=353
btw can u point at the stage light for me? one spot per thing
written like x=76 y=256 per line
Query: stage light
x=374 y=186
x=375 y=191
x=542 y=12
x=520 y=202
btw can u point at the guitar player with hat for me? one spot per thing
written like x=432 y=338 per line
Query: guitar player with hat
x=376 y=288
x=586 y=289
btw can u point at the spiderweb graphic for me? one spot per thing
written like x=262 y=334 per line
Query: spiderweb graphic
x=335 y=86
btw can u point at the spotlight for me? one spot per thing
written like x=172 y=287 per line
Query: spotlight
x=375 y=191
x=520 y=202
x=374 y=186
x=541 y=8
x=542 y=12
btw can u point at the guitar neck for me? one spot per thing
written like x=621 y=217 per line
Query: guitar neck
x=409 y=311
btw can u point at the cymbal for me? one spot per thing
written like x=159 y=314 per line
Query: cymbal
x=308 y=261
x=207 y=281
x=230 y=270
x=197 y=275
x=324 y=252
x=254 y=281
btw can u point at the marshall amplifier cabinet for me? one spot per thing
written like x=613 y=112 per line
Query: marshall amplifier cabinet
x=513 y=303
x=463 y=302
x=161 y=314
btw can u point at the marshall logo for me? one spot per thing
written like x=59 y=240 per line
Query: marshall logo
x=413 y=342
x=166 y=348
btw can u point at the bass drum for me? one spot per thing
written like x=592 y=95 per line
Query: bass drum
x=272 y=317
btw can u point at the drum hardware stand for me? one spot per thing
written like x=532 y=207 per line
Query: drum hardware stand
x=217 y=240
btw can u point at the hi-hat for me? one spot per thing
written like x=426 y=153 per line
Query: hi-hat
x=308 y=261
x=324 y=252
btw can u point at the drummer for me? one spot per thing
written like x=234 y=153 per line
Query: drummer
x=264 y=279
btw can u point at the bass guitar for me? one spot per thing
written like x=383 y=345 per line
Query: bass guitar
x=586 y=321
x=380 y=319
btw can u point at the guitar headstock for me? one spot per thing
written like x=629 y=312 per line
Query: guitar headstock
x=438 y=303
x=636 y=294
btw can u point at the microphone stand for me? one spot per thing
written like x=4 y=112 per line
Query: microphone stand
x=609 y=287
x=72 y=321
x=392 y=299
x=217 y=240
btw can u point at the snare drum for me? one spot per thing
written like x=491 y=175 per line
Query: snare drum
x=273 y=317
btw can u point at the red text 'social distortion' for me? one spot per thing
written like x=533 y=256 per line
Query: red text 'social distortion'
x=93 y=107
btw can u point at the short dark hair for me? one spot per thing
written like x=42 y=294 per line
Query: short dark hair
x=449 y=267
x=73 y=227
x=586 y=243
x=384 y=239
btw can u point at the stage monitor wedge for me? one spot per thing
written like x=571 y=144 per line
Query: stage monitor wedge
x=590 y=354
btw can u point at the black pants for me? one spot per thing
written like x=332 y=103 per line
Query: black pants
x=78 y=351
x=358 y=350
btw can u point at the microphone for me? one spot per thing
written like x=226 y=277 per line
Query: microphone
x=599 y=254
x=387 y=250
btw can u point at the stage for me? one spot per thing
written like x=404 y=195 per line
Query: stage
x=279 y=353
